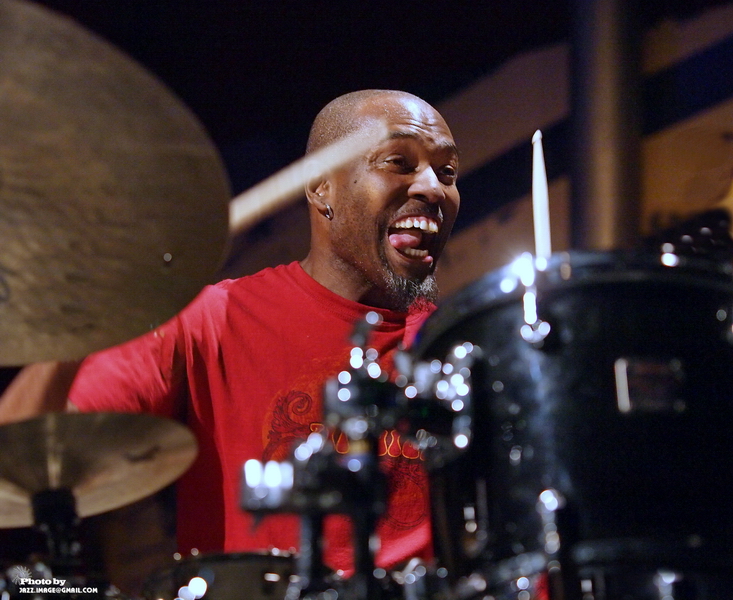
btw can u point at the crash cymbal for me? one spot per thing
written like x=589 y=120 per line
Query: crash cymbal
x=113 y=199
x=107 y=460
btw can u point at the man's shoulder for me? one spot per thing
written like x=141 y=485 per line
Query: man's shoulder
x=265 y=279
x=267 y=283
x=256 y=293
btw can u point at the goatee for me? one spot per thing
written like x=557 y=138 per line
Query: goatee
x=405 y=292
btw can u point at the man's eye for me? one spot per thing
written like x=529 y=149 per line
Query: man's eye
x=400 y=162
x=448 y=174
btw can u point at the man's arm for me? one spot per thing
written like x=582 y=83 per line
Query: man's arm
x=38 y=389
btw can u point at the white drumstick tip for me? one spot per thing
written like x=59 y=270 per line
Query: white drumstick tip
x=540 y=200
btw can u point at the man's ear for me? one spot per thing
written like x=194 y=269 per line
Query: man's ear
x=317 y=192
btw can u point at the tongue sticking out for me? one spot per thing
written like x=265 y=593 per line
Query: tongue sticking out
x=411 y=238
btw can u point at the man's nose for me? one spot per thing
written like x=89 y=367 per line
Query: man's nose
x=427 y=186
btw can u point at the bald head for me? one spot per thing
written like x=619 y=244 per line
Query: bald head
x=343 y=116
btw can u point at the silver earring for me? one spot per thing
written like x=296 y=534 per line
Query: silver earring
x=329 y=212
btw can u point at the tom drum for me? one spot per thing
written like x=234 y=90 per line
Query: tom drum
x=602 y=441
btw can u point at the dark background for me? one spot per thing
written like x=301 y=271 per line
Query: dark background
x=256 y=73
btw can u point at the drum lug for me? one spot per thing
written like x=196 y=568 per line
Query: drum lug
x=437 y=405
x=548 y=503
x=536 y=333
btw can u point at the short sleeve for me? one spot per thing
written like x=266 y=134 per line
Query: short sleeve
x=144 y=375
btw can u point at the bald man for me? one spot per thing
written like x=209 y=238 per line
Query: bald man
x=244 y=364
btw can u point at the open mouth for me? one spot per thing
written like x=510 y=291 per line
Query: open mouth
x=414 y=237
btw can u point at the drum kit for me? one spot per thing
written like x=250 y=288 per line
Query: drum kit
x=572 y=411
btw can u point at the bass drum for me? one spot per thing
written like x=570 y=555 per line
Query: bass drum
x=225 y=577
x=603 y=402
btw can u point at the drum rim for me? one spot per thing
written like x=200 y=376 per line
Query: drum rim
x=485 y=292
x=227 y=556
x=167 y=574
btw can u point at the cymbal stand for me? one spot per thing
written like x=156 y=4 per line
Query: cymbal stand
x=359 y=419
x=316 y=483
x=54 y=514
x=358 y=406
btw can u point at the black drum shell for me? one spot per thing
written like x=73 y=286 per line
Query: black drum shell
x=548 y=415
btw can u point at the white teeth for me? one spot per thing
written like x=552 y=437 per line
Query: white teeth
x=421 y=223
x=415 y=253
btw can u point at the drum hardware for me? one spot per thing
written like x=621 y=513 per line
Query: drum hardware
x=534 y=330
x=59 y=468
x=320 y=481
x=54 y=514
x=550 y=504
x=313 y=485
x=361 y=403
x=706 y=234
x=106 y=460
x=436 y=404
x=414 y=581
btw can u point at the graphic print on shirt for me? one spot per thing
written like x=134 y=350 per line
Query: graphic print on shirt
x=289 y=422
x=296 y=414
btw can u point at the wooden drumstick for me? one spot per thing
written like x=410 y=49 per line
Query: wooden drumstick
x=275 y=192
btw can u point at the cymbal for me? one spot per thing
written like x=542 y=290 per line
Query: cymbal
x=107 y=460
x=113 y=199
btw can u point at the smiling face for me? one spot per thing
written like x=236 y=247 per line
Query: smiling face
x=395 y=207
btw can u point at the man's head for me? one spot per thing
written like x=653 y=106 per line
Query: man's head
x=379 y=224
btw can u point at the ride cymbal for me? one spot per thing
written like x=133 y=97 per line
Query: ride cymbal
x=113 y=199
x=107 y=460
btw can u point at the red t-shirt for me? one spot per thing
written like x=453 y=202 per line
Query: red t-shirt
x=243 y=366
